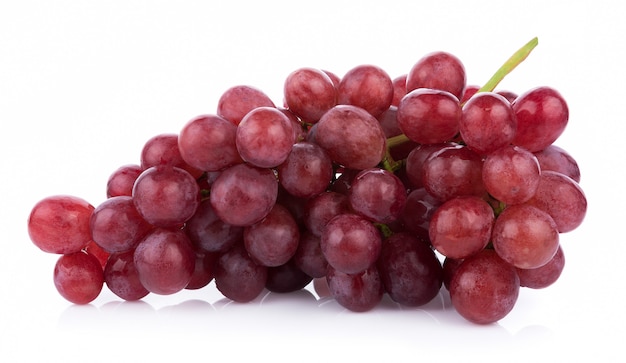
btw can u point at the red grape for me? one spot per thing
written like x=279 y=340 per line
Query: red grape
x=368 y=87
x=409 y=269
x=78 y=277
x=166 y=196
x=264 y=137
x=525 y=236
x=438 y=70
x=429 y=116
x=562 y=198
x=243 y=194
x=208 y=232
x=60 y=224
x=543 y=276
x=307 y=171
x=274 y=240
x=237 y=276
x=350 y=243
x=237 y=101
x=117 y=226
x=511 y=174
x=461 y=227
x=309 y=93
x=356 y=292
x=122 y=278
x=121 y=181
x=484 y=288
x=165 y=261
x=555 y=158
x=453 y=171
x=542 y=115
x=207 y=142
x=378 y=195
x=362 y=147
x=320 y=209
x=488 y=123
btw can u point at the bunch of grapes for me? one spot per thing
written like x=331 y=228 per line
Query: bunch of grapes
x=364 y=184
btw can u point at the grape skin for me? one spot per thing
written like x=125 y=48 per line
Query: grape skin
x=356 y=292
x=410 y=271
x=243 y=194
x=362 y=147
x=165 y=261
x=525 y=236
x=350 y=243
x=484 y=288
x=78 y=277
x=60 y=224
x=461 y=227
x=166 y=196
x=562 y=198
x=511 y=174
x=309 y=93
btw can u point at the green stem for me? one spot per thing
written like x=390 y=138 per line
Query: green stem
x=517 y=58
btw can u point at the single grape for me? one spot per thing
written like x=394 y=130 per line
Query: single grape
x=121 y=181
x=487 y=123
x=309 y=93
x=562 y=198
x=542 y=115
x=165 y=261
x=525 y=236
x=207 y=142
x=122 y=278
x=286 y=278
x=117 y=226
x=543 y=276
x=274 y=240
x=461 y=227
x=203 y=271
x=238 y=100
x=557 y=159
x=484 y=288
x=350 y=243
x=429 y=116
x=378 y=195
x=438 y=70
x=237 y=276
x=409 y=269
x=511 y=174
x=163 y=149
x=60 y=224
x=307 y=171
x=264 y=137
x=453 y=171
x=368 y=87
x=243 y=194
x=309 y=257
x=351 y=136
x=78 y=277
x=207 y=231
x=166 y=196
x=320 y=209
x=356 y=292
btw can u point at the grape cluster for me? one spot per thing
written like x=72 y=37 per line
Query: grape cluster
x=364 y=184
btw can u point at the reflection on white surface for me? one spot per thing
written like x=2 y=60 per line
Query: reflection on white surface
x=297 y=322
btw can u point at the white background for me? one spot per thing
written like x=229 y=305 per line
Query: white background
x=84 y=84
